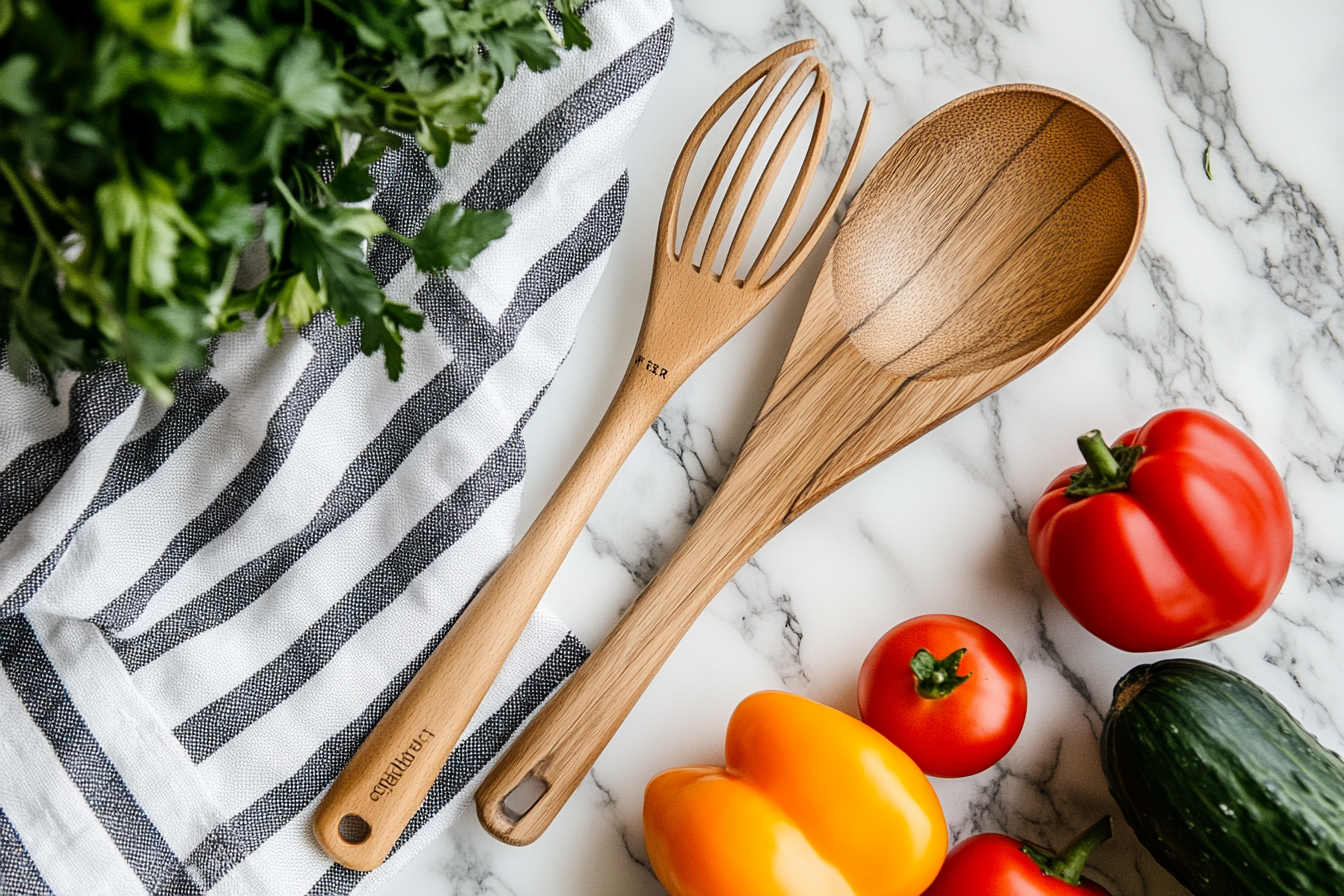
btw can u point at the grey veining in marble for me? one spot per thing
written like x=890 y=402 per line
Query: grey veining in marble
x=1233 y=304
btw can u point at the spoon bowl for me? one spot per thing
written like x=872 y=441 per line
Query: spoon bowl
x=983 y=240
x=993 y=226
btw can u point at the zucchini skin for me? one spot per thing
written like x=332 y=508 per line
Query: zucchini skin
x=1222 y=785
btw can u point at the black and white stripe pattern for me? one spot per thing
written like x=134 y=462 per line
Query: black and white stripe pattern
x=204 y=609
x=18 y=874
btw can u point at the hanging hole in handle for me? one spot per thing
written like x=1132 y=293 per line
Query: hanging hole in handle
x=354 y=829
x=520 y=800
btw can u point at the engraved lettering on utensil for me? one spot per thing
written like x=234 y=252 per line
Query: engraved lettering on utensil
x=652 y=367
x=397 y=767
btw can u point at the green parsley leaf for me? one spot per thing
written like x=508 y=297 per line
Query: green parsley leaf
x=163 y=24
x=16 y=77
x=515 y=44
x=352 y=183
x=453 y=235
x=308 y=84
x=372 y=146
x=159 y=165
x=297 y=302
x=237 y=45
x=575 y=35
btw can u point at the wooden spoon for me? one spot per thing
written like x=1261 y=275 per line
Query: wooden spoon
x=986 y=237
x=691 y=312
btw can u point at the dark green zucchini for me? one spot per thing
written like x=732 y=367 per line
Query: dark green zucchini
x=1224 y=787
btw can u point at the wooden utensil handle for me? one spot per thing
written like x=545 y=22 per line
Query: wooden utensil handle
x=389 y=776
x=564 y=740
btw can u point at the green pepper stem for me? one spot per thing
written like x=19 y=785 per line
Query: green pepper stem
x=1068 y=864
x=1099 y=458
x=1107 y=470
x=935 y=678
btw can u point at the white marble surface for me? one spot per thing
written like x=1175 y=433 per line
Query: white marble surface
x=1233 y=304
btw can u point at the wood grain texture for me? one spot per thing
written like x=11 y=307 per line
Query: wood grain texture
x=691 y=312
x=986 y=237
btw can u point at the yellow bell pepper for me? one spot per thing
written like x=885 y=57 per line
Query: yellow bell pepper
x=813 y=803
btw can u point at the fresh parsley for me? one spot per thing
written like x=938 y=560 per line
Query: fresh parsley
x=146 y=145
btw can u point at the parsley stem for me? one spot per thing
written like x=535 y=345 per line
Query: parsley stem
x=344 y=16
x=241 y=84
x=381 y=94
x=362 y=85
x=32 y=272
x=299 y=211
x=214 y=302
x=50 y=201
x=30 y=210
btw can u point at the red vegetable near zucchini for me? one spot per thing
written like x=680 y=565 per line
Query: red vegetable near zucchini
x=996 y=865
x=1178 y=534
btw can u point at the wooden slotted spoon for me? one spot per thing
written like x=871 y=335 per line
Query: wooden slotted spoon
x=986 y=237
x=691 y=312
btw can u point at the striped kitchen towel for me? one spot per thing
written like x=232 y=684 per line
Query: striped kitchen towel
x=204 y=609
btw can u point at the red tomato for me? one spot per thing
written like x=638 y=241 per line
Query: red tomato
x=972 y=706
x=995 y=865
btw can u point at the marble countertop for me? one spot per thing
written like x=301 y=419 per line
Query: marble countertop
x=1233 y=304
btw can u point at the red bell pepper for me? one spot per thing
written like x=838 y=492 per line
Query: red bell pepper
x=1178 y=534
x=1001 y=866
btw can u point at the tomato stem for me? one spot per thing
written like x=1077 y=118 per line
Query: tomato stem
x=1068 y=864
x=934 y=678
